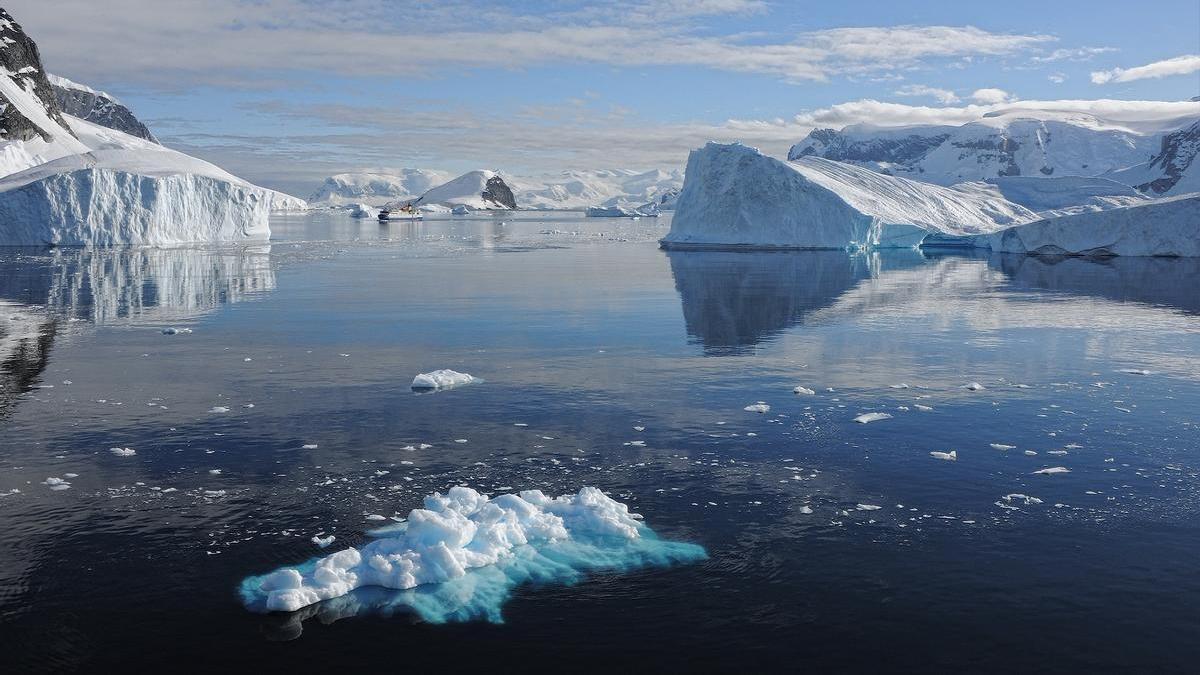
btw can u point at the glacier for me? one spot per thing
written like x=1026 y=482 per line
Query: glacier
x=735 y=196
x=460 y=557
x=480 y=189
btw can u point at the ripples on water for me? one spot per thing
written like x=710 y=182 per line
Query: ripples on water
x=584 y=330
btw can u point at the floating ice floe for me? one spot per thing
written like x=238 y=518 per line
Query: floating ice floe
x=442 y=379
x=1002 y=446
x=867 y=507
x=1049 y=471
x=460 y=557
x=872 y=417
x=175 y=331
x=1134 y=371
x=973 y=386
x=1028 y=501
x=951 y=456
x=805 y=391
x=323 y=542
x=759 y=407
x=123 y=452
x=57 y=484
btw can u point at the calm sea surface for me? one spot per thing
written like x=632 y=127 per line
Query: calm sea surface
x=583 y=330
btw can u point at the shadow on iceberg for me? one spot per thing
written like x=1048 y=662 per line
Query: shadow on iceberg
x=1164 y=282
x=734 y=300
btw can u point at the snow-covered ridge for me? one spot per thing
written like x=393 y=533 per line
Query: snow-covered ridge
x=480 y=189
x=736 y=196
x=482 y=547
x=377 y=188
x=1174 y=170
x=98 y=107
x=1016 y=142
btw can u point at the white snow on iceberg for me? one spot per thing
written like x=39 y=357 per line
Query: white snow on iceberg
x=460 y=557
x=734 y=196
x=443 y=379
x=1160 y=227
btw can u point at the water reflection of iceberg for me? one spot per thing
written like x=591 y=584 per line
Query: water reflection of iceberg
x=1166 y=282
x=138 y=285
x=733 y=300
x=26 y=336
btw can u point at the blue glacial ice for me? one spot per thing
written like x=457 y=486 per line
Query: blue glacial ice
x=461 y=557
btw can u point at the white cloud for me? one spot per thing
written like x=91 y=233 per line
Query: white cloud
x=1077 y=54
x=1057 y=78
x=171 y=44
x=940 y=95
x=991 y=96
x=1180 y=65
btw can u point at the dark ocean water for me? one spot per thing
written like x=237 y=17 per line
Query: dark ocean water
x=583 y=329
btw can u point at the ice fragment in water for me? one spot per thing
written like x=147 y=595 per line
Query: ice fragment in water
x=759 y=407
x=973 y=386
x=951 y=456
x=872 y=417
x=460 y=557
x=123 y=452
x=1052 y=470
x=803 y=391
x=442 y=379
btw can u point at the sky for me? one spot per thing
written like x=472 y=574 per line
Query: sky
x=286 y=92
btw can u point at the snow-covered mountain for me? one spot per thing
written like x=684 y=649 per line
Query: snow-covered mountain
x=480 y=189
x=578 y=190
x=97 y=107
x=1017 y=142
x=64 y=180
x=736 y=196
x=377 y=189
x=1174 y=170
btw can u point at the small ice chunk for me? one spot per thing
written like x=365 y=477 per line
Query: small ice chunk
x=902 y=385
x=1029 y=501
x=1050 y=471
x=639 y=428
x=805 y=391
x=442 y=379
x=973 y=386
x=806 y=509
x=218 y=409
x=951 y=456
x=123 y=452
x=922 y=408
x=868 y=507
x=1031 y=453
x=759 y=407
x=1134 y=371
x=1002 y=446
x=214 y=472
x=56 y=483
x=375 y=516
x=309 y=446
x=872 y=417
x=323 y=542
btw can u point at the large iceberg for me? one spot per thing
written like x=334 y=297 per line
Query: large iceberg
x=1160 y=227
x=460 y=557
x=735 y=196
x=67 y=181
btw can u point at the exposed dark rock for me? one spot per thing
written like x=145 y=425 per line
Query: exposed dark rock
x=98 y=108
x=498 y=192
x=1179 y=150
x=19 y=56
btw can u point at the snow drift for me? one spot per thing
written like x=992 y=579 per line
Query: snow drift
x=460 y=556
x=734 y=196
x=1161 y=227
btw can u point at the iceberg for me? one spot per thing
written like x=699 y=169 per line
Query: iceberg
x=460 y=557
x=735 y=196
x=363 y=211
x=648 y=211
x=443 y=379
x=67 y=181
x=1159 y=227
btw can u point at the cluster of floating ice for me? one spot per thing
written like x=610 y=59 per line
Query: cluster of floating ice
x=483 y=546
